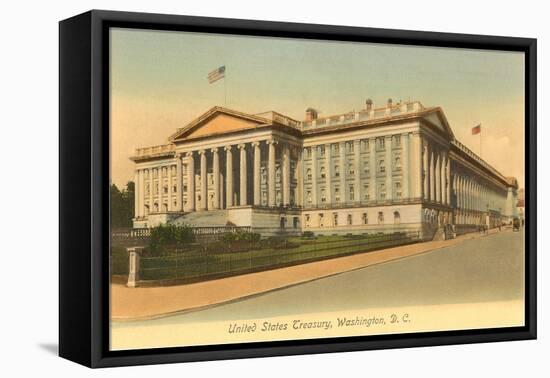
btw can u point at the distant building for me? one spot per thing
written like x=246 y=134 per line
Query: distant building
x=521 y=204
x=394 y=168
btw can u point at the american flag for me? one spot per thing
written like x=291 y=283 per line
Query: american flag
x=476 y=130
x=217 y=74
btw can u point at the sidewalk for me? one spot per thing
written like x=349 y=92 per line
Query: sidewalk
x=153 y=302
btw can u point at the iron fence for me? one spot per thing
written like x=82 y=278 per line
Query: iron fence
x=214 y=259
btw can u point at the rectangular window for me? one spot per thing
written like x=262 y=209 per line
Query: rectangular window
x=337 y=194
x=322 y=150
x=381 y=143
x=381 y=166
x=382 y=191
x=335 y=218
x=350 y=220
x=365 y=218
x=336 y=148
x=351 y=168
x=351 y=193
x=366 y=194
x=351 y=148
x=397 y=140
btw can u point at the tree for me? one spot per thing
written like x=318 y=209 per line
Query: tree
x=122 y=205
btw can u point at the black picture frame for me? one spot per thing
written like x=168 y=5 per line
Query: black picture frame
x=84 y=187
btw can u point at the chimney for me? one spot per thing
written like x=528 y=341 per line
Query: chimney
x=390 y=101
x=311 y=114
x=368 y=104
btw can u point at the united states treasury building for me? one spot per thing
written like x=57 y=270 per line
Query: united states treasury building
x=387 y=169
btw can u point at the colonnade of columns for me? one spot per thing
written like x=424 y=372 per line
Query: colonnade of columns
x=154 y=189
x=474 y=199
x=436 y=169
x=237 y=193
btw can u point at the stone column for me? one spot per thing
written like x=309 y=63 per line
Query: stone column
x=141 y=198
x=179 y=183
x=151 y=190
x=443 y=178
x=372 y=170
x=257 y=174
x=328 y=179
x=137 y=193
x=343 y=173
x=448 y=176
x=389 y=171
x=190 y=182
x=415 y=166
x=432 y=178
x=159 y=188
x=170 y=185
x=242 y=188
x=426 y=170
x=204 y=181
x=299 y=178
x=357 y=165
x=438 y=178
x=405 y=166
x=229 y=176
x=286 y=175
x=271 y=173
x=313 y=176
x=216 y=177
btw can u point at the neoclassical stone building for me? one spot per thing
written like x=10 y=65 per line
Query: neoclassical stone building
x=394 y=168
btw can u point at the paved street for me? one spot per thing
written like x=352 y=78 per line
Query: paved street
x=485 y=269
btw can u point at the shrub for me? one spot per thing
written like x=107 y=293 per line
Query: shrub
x=308 y=234
x=241 y=235
x=170 y=234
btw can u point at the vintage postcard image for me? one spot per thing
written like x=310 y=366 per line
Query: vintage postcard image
x=267 y=189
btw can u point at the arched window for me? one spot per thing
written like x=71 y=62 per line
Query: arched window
x=156 y=208
x=350 y=220
x=164 y=207
x=380 y=217
x=308 y=173
x=396 y=217
x=335 y=219
x=337 y=171
x=365 y=218
x=323 y=172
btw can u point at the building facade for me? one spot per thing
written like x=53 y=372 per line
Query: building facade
x=388 y=169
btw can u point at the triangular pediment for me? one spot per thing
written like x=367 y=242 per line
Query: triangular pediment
x=218 y=121
x=438 y=120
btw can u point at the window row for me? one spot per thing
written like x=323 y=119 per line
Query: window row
x=349 y=220
x=350 y=146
